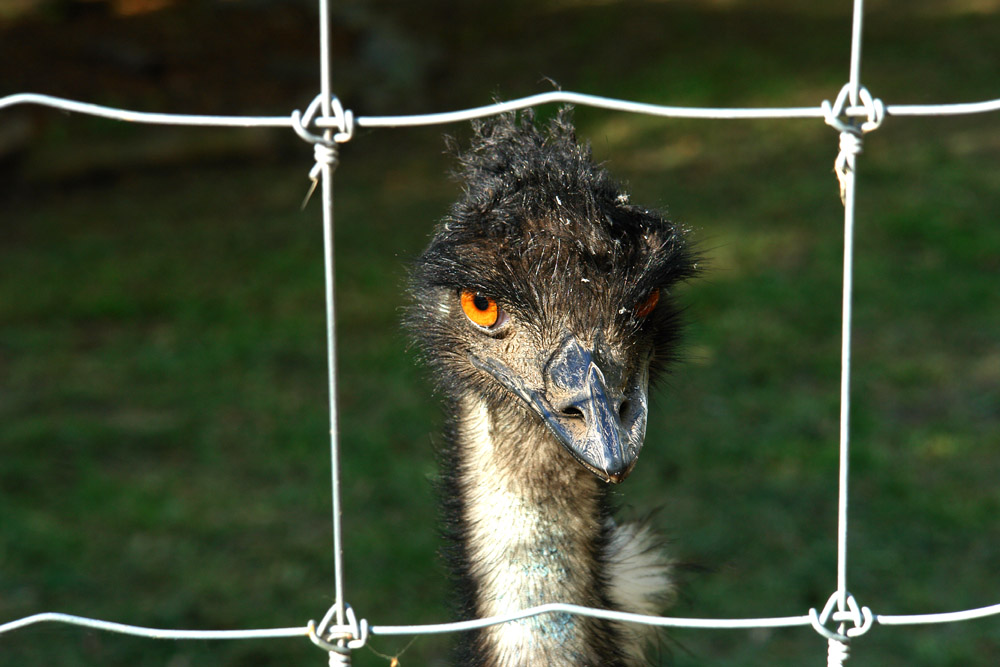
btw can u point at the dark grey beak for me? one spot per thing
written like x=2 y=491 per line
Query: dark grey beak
x=602 y=426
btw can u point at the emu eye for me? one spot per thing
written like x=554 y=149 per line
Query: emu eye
x=648 y=304
x=480 y=309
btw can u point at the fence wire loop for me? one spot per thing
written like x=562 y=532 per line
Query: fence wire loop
x=344 y=119
x=326 y=124
x=325 y=145
x=861 y=617
x=341 y=639
x=835 y=114
x=851 y=130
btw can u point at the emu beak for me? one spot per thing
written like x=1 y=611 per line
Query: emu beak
x=603 y=428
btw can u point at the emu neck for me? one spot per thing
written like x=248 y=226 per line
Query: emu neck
x=531 y=531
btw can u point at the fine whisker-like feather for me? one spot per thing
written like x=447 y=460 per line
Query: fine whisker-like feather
x=543 y=308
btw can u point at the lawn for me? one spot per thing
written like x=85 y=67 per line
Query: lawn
x=163 y=425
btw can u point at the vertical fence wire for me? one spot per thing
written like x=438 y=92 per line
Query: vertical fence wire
x=854 y=84
x=347 y=632
x=331 y=318
x=845 y=390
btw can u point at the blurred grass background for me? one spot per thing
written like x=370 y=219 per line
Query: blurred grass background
x=163 y=456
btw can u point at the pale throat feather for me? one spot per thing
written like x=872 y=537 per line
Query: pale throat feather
x=532 y=517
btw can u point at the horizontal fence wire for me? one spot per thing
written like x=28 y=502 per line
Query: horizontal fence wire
x=479 y=623
x=338 y=123
x=333 y=122
x=326 y=114
x=447 y=117
x=149 y=633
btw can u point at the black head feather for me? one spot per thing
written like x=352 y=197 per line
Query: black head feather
x=553 y=238
x=550 y=238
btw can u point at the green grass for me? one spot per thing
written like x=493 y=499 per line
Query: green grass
x=163 y=384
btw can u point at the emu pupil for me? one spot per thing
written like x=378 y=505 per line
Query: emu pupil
x=481 y=302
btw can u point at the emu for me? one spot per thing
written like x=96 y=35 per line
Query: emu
x=543 y=309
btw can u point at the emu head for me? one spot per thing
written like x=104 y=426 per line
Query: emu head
x=546 y=289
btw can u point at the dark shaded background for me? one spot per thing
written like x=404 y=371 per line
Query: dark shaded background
x=162 y=375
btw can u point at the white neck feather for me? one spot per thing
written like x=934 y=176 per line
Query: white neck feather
x=533 y=518
x=525 y=548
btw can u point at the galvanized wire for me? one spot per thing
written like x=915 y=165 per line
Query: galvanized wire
x=326 y=114
x=326 y=160
x=352 y=630
x=846 y=168
x=149 y=633
x=447 y=117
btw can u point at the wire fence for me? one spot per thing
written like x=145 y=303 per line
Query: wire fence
x=326 y=123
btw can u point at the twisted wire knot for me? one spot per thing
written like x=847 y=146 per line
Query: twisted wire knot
x=838 y=645
x=325 y=149
x=861 y=617
x=339 y=659
x=323 y=155
x=851 y=131
x=837 y=653
x=340 y=640
x=344 y=118
x=834 y=114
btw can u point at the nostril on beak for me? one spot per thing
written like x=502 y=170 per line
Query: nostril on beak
x=573 y=411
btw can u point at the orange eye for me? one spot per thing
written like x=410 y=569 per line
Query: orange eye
x=648 y=304
x=482 y=310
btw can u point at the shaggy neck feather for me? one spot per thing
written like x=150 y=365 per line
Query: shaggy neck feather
x=533 y=526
